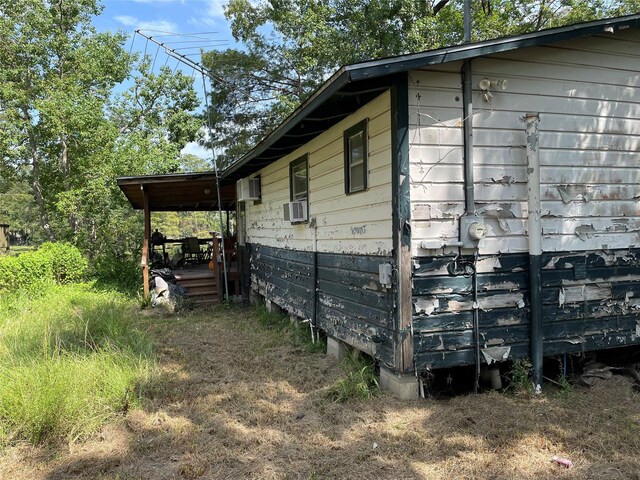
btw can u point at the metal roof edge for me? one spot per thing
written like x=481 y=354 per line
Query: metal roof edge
x=128 y=180
x=399 y=63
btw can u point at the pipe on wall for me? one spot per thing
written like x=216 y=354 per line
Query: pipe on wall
x=469 y=199
x=467 y=125
x=532 y=121
x=313 y=224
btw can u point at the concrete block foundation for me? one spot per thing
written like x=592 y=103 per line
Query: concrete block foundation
x=336 y=348
x=403 y=386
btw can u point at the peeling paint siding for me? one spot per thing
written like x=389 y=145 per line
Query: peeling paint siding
x=359 y=223
x=443 y=306
x=352 y=305
x=591 y=301
x=587 y=94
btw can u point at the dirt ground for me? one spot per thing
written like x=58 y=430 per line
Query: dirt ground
x=238 y=400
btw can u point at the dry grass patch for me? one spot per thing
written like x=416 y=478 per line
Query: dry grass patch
x=238 y=398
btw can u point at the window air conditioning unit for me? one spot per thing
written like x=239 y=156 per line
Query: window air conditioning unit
x=295 y=211
x=248 y=189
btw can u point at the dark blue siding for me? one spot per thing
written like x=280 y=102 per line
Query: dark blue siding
x=351 y=304
x=588 y=304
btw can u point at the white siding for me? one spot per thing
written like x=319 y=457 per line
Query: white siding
x=587 y=92
x=359 y=223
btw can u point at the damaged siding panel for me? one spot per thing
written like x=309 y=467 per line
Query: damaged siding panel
x=587 y=111
x=435 y=152
x=590 y=135
x=352 y=305
x=358 y=224
x=591 y=300
x=443 y=309
x=283 y=277
x=586 y=93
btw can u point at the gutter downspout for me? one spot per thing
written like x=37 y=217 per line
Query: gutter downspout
x=469 y=193
x=535 y=246
x=313 y=223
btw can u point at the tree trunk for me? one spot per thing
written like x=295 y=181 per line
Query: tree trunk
x=38 y=195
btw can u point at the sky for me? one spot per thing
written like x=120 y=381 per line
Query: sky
x=177 y=16
x=156 y=18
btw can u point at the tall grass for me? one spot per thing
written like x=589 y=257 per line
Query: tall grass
x=359 y=380
x=69 y=359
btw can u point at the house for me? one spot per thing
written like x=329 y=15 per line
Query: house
x=4 y=238
x=461 y=206
x=458 y=206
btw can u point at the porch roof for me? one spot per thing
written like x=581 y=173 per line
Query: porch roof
x=178 y=192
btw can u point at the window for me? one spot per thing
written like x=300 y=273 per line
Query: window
x=299 y=187
x=355 y=158
x=298 y=179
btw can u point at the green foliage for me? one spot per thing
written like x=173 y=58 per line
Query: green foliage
x=69 y=360
x=564 y=384
x=52 y=263
x=68 y=265
x=19 y=210
x=289 y=47
x=65 y=136
x=118 y=272
x=519 y=377
x=359 y=382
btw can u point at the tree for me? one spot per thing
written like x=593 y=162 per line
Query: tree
x=56 y=75
x=67 y=134
x=289 y=47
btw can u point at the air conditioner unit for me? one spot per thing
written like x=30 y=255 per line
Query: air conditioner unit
x=295 y=211
x=248 y=189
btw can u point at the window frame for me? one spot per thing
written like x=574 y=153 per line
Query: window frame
x=304 y=159
x=360 y=127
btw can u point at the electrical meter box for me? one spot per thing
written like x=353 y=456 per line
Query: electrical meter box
x=472 y=230
x=385 y=272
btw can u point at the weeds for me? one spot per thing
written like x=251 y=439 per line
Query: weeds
x=298 y=331
x=69 y=360
x=359 y=381
x=519 y=377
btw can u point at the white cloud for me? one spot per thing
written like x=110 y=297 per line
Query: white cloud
x=193 y=148
x=203 y=21
x=209 y=14
x=216 y=8
x=152 y=25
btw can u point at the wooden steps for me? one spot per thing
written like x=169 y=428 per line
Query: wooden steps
x=201 y=285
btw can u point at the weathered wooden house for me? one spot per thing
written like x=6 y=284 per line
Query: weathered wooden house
x=460 y=205
x=4 y=238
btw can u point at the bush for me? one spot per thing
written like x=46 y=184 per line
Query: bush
x=52 y=263
x=122 y=273
x=68 y=265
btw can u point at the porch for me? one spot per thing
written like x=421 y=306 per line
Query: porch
x=208 y=268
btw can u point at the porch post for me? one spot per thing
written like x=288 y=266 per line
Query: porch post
x=145 y=242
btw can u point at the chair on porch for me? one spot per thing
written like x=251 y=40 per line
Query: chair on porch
x=191 y=250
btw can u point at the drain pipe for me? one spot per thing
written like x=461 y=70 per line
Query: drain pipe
x=532 y=121
x=470 y=202
x=469 y=193
x=313 y=223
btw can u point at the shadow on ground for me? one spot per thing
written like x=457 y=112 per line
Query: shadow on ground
x=235 y=399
